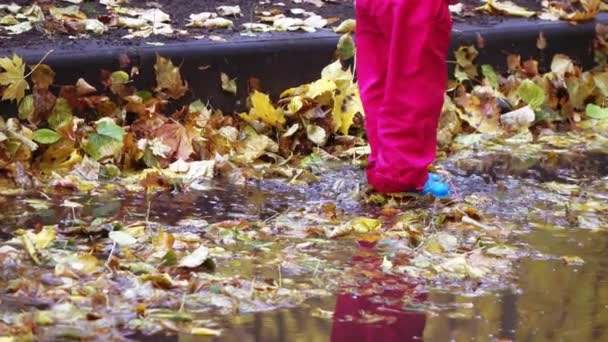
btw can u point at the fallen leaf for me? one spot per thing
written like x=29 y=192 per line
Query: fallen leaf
x=263 y=110
x=228 y=84
x=196 y=258
x=572 y=260
x=46 y=136
x=168 y=78
x=122 y=238
x=13 y=77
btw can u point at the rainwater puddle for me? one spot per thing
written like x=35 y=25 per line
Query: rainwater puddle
x=552 y=214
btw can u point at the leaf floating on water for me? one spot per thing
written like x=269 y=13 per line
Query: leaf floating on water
x=441 y=243
x=122 y=238
x=501 y=251
x=572 y=260
x=196 y=258
x=324 y=314
x=30 y=248
x=45 y=237
x=205 y=332
x=357 y=225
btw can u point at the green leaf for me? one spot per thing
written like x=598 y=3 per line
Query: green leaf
x=531 y=93
x=62 y=113
x=490 y=75
x=108 y=128
x=26 y=107
x=346 y=47
x=119 y=77
x=596 y=112
x=144 y=94
x=106 y=142
x=46 y=136
x=101 y=146
x=170 y=258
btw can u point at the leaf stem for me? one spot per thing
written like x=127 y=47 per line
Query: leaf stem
x=39 y=63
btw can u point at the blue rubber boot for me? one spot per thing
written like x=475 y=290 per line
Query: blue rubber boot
x=435 y=187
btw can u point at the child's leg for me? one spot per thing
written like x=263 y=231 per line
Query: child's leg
x=372 y=59
x=419 y=34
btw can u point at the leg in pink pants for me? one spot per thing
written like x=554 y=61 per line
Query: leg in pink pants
x=402 y=72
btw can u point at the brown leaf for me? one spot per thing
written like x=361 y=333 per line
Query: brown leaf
x=513 y=63
x=70 y=93
x=168 y=78
x=541 y=42
x=530 y=67
x=43 y=76
x=146 y=125
x=176 y=137
x=124 y=61
x=44 y=101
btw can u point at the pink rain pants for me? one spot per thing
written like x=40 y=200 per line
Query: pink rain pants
x=402 y=48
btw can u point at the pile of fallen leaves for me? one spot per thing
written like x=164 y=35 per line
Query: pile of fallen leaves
x=90 y=134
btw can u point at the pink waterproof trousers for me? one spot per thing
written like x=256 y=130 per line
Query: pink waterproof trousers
x=402 y=72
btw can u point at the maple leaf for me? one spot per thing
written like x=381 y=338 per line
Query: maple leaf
x=13 y=77
x=168 y=78
x=263 y=110
x=175 y=136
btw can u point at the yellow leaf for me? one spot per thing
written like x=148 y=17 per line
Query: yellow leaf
x=295 y=104
x=346 y=106
x=359 y=225
x=263 y=110
x=465 y=67
x=347 y=26
x=75 y=158
x=590 y=10
x=45 y=237
x=31 y=248
x=481 y=110
x=365 y=225
x=43 y=76
x=320 y=87
x=205 y=332
x=334 y=72
x=508 y=7
x=13 y=78
x=168 y=78
x=86 y=263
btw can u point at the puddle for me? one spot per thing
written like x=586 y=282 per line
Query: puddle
x=540 y=297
